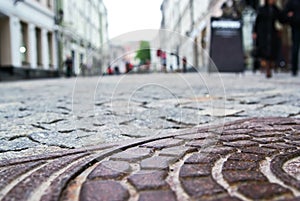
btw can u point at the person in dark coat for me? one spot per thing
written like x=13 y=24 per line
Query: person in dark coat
x=292 y=12
x=69 y=66
x=266 y=35
x=184 y=64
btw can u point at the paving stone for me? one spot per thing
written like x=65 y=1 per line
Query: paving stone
x=226 y=198
x=200 y=186
x=263 y=191
x=294 y=137
x=265 y=128
x=110 y=170
x=176 y=151
x=155 y=123
x=230 y=130
x=241 y=143
x=56 y=138
x=202 y=158
x=103 y=190
x=268 y=140
x=157 y=162
x=294 y=143
x=197 y=136
x=240 y=165
x=219 y=112
x=296 y=127
x=218 y=150
x=273 y=100
x=183 y=116
x=283 y=128
x=157 y=195
x=133 y=154
x=249 y=100
x=11 y=132
x=259 y=150
x=130 y=131
x=149 y=180
x=195 y=170
x=246 y=157
x=205 y=143
x=281 y=110
x=17 y=144
x=266 y=134
x=165 y=143
x=280 y=121
x=104 y=116
x=280 y=146
x=233 y=177
x=235 y=137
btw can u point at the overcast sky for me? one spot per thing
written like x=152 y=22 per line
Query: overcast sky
x=131 y=15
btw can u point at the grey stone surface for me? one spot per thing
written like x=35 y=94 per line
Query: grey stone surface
x=68 y=113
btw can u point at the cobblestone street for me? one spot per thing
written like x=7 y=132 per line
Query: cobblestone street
x=151 y=137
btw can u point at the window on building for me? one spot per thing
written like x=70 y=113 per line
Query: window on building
x=50 y=47
x=24 y=44
x=38 y=37
x=49 y=3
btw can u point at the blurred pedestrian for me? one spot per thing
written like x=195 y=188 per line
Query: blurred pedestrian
x=184 y=65
x=83 y=69
x=164 y=61
x=233 y=9
x=266 y=35
x=69 y=66
x=128 y=67
x=110 y=70
x=292 y=12
x=117 y=70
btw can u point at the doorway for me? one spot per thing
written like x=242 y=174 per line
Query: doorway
x=5 y=46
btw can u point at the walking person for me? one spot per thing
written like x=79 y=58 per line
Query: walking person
x=184 y=64
x=266 y=35
x=69 y=66
x=292 y=12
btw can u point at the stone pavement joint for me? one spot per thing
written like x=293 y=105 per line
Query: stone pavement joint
x=140 y=169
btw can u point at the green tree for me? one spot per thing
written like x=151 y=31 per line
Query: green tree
x=144 y=54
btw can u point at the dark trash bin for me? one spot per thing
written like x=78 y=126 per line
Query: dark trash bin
x=226 y=49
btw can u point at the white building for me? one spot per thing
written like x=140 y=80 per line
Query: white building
x=191 y=20
x=27 y=39
x=83 y=34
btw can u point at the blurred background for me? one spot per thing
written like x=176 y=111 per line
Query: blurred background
x=40 y=38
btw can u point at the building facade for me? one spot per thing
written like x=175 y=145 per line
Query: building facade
x=27 y=39
x=37 y=35
x=190 y=21
x=83 y=35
